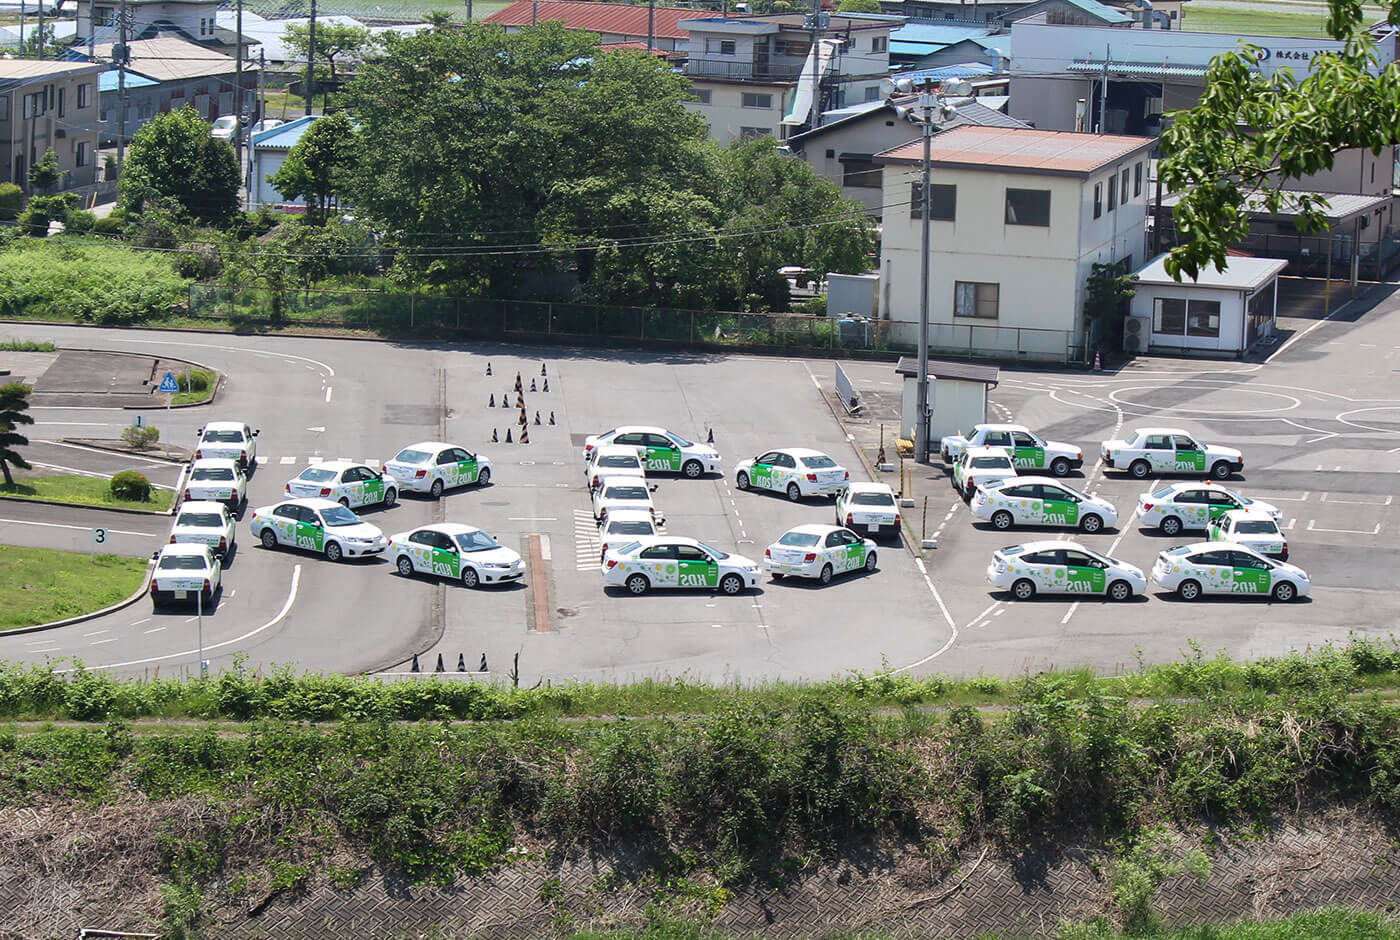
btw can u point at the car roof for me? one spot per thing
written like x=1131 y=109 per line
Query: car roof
x=1157 y=430
x=800 y=452
x=199 y=505
x=619 y=450
x=222 y=462
x=1045 y=544
x=426 y=445
x=1037 y=479
x=666 y=540
x=633 y=428
x=620 y=479
x=447 y=528
x=861 y=487
x=999 y=427
x=1255 y=514
x=629 y=515
x=185 y=548
x=987 y=452
x=814 y=528
x=331 y=465
x=224 y=426
x=1183 y=485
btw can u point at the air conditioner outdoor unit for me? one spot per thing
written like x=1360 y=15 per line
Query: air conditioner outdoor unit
x=1135 y=334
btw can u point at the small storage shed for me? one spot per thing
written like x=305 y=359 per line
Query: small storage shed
x=957 y=396
x=1220 y=313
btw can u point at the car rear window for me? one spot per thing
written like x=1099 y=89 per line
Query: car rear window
x=799 y=539
x=317 y=475
x=991 y=463
x=412 y=456
x=818 y=463
x=1257 y=527
x=1163 y=493
x=223 y=437
x=182 y=563
x=872 y=499
x=211 y=473
x=637 y=527
x=619 y=460
x=201 y=519
x=627 y=492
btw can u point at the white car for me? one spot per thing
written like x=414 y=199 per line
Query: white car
x=870 y=508
x=819 y=551
x=1251 y=528
x=217 y=479
x=621 y=493
x=1040 y=501
x=796 y=471
x=660 y=449
x=665 y=561
x=432 y=466
x=979 y=465
x=456 y=551
x=185 y=572
x=350 y=484
x=623 y=526
x=317 y=525
x=266 y=124
x=1028 y=450
x=1169 y=450
x=201 y=522
x=1227 y=568
x=229 y=440
x=1060 y=567
x=611 y=460
x=1192 y=505
x=224 y=128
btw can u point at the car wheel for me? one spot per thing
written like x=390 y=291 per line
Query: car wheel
x=794 y=492
x=405 y=566
x=638 y=584
x=825 y=576
x=436 y=490
x=344 y=501
x=1140 y=469
x=1091 y=523
x=391 y=496
x=470 y=578
x=731 y=584
x=1023 y=590
x=484 y=477
x=1001 y=519
x=1120 y=591
x=870 y=562
x=1188 y=590
x=1284 y=591
x=776 y=576
x=268 y=538
x=1220 y=470
x=1170 y=526
x=692 y=469
x=742 y=480
x=333 y=552
x=1060 y=467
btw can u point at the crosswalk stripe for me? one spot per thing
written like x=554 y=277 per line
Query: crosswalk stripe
x=262 y=460
x=287 y=460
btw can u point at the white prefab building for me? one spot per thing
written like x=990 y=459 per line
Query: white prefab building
x=1220 y=313
x=1019 y=217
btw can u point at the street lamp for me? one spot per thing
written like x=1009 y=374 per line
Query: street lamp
x=929 y=110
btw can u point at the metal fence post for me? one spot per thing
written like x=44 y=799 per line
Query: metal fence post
x=411 y=310
x=548 y=319
x=457 y=306
x=692 y=326
x=642 y=331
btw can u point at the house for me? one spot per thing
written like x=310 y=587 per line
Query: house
x=141 y=103
x=843 y=150
x=917 y=41
x=613 y=22
x=49 y=105
x=268 y=38
x=1000 y=13
x=1218 y=313
x=755 y=75
x=266 y=154
x=1019 y=217
x=193 y=20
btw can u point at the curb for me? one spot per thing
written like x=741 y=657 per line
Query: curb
x=218 y=384
x=121 y=509
x=121 y=352
x=140 y=593
x=85 y=442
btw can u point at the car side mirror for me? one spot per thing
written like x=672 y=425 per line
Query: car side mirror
x=257 y=431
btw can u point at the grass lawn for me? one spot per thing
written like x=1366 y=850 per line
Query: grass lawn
x=1243 y=22
x=202 y=387
x=69 y=488
x=43 y=584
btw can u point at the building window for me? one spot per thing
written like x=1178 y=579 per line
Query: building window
x=1137 y=179
x=873 y=94
x=34 y=105
x=1203 y=318
x=1173 y=316
x=1169 y=316
x=4 y=107
x=84 y=96
x=1098 y=200
x=749 y=133
x=720 y=46
x=792 y=47
x=1031 y=207
x=1123 y=198
x=755 y=100
x=879 y=44
x=702 y=95
x=1112 y=194
x=102 y=16
x=81 y=153
x=61 y=100
x=943 y=198
x=865 y=174
x=971 y=299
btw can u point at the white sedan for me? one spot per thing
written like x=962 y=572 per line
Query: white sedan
x=665 y=561
x=185 y=572
x=217 y=479
x=1040 y=501
x=459 y=552
x=868 y=507
x=1193 y=505
x=350 y=484
x=611 y=460
x=1227 y=568
x=819 y=551
x=796 y=471
x=229 y=440
x=660 y=449
x=623 y=526
x=1169 y=450
x=1028 y=450
x=1059 y=567
x=621 y=493
x=1251 y=528
x=432 y=466
x=980 y=465
x=317 y=525
x=202 y=522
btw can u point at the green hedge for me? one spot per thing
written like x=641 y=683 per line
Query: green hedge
x=70 y=278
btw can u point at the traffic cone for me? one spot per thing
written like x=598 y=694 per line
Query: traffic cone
x=1098 y=362
x=488 y=368
x=537 y=419
x=415 y=667
x=508 y=440
x=546 y=385
x=518 y=384
x=524 y=419
x=542 y=372
x=439 y=665
x=483 y=664
x=551 y=417
x=494 y=438
x=519 y=400
x=461 y=662
x=492 y=402
x=532 y=386
x=524 y=435
x=711 y=438
x=505 y=400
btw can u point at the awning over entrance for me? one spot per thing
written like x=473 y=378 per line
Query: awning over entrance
x=1161 y=71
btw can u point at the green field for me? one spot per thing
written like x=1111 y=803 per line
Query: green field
x=41 y=585
x=1266 y=22
x=90 y=491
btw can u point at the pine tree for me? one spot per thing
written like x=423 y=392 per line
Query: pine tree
x=14 y=411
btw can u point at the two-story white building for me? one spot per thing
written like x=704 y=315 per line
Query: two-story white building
x=1019 y=217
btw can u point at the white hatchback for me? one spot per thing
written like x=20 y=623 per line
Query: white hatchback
x=433 y=466
x=202 y=522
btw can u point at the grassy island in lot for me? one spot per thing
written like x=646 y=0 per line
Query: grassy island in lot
x=39 y=585
x=90 y=491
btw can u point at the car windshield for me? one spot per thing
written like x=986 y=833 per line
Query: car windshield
x=713 y=551
x=991 y=463
x=1257 y=527
x=223 y=437
x=201 y=520
x=680 y=441
x=339 y=515
x=409 y=455
x=636 y=527
x=317 y=475
x=627 y=492
x=1164 y=492
x=822 y=462
x=182 y=563
x=799 y=539
x=475 y=542
x=619 y=460
x=211 y=473
x=872 y=499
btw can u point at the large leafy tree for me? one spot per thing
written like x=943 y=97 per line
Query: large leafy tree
x=14 y=411
x=317 y=165
x=174 y=164
x=335 y=43
x=1251 y=135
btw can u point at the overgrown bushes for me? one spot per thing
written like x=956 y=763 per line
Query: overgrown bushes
x=65 y=278
x=140 y=436
x=130 y=485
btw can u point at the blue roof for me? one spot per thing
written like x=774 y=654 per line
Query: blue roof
x=966 y=70
x=286 y=136
x=936 y=35
x=1106 y=13
x=107 y=81
x=1000 y=43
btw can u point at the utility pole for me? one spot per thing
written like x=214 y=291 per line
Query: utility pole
x=122 y=57
x=310 y=55
x=238 y=96
x=1103 y=91
x=21 y=28
x=926 y=103
x=534 y=12
x=41 y=29
x=469 y=11
x=816 y=54
x=92 y=26
x=651 y=21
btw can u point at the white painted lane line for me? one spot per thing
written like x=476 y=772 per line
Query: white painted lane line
x=533 y=519
x=77 y=424
x=80 y=528
x=48 y=649
x=1290 y=524
x=952 y=627
x=1375 y=531
x=97 y=633
x=328 y=394
x=1293 y=499
x=96 y=450
x=153 y=630
x=1374 y=501
x=1069 y=613
x=108 y=640
x=141 y=621
x=287 y=460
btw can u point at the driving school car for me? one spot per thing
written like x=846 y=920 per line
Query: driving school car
x=203 y=522
x=819 y=551
x=1028 y=450
x=350 y=484
x=217 y=479
x=1251 y=528
x=659 y=449
x=185 y=572
x=610 y=460
x=796 y=471
x=228 y=440
x=623 y=526
x=664 y=561
x=1227 y=568
x=1193 y=505
x=432 y=466
x=979 y=465
x=1169 y=450
x=868 y=507
x=621 y=493
x=453 y=550
x=1060 y=567
x=317 y=525
x=1040 y=501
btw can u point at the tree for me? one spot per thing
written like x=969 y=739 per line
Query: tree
x=858 y=6
x=34 y=38
x=317 y=165
x=45 y=174
x=1107 y=292
x=1250 y=135
x=332 y=40
x=14 y=411
x=174 y=163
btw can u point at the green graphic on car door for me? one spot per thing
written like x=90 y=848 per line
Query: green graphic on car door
x=372 y=490
x=1250 y=581
x=1190 y=459
x=467 y=471
x=1028 y=456
x=1084 y=579
x=698 y=573
x=1056 y=511
x=663 y=458
x=852 y=557
x=760 y=474
x=446 y=563
x=309 y=536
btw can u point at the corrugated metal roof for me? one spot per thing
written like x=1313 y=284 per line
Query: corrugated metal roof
x=995 y=148
x=1339 y=205
x=169 y=58
x=965 y=70
x=623 y=19
x=285 y=136
x=936 y=35
x=1239 y=273
x=1106 y=13
x=19 y=69
x=943 y=369
x=107 y=81
x=1141 y=69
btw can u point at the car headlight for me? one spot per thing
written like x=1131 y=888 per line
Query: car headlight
x=499 y=564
